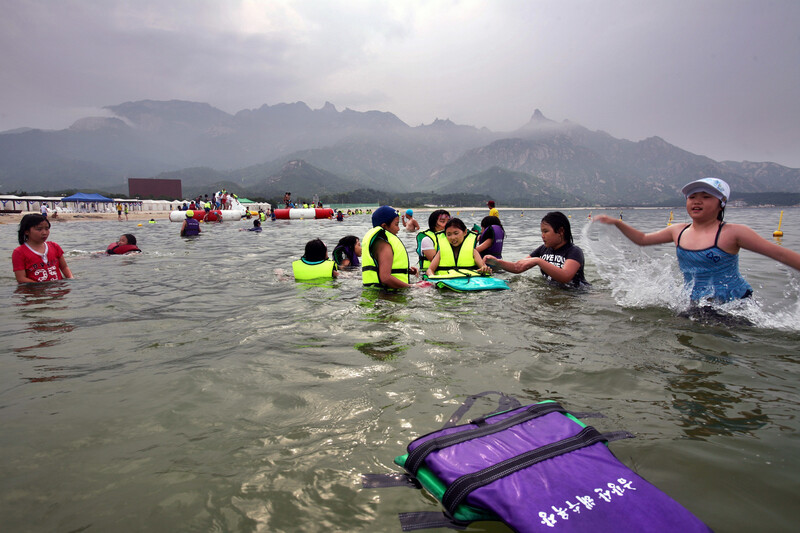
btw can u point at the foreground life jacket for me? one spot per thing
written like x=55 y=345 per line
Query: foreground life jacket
x=305 y=270
x=369 y=268
x=465 y=258
x=534 y=468
x=424 y=262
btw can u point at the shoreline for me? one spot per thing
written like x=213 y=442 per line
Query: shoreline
x=14 y=218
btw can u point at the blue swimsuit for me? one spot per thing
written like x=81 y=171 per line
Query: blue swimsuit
x=712 y=272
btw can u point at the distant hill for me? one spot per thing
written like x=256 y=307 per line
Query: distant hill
x=342 y=151
x=513 y=188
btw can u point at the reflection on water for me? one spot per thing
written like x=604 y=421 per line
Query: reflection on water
x=196 y=386
x=31 y=299
x=709 y=407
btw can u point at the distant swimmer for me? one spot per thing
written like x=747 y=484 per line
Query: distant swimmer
x=125 y=245
x=191 y=226
x=493 y=212
x=708 y=248
x=409 y=222
x=256 y=227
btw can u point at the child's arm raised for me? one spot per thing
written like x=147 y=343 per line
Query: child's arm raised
x=639 y=237
x=748 y=239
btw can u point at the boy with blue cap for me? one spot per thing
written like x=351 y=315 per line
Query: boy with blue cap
x=408 y=221
x=707 y=247
x=385 y=264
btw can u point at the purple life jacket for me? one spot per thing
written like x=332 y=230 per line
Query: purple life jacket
x=536 y=468
x=192 y=227
x=496 y=249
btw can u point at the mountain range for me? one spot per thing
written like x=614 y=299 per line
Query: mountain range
x=266 y=151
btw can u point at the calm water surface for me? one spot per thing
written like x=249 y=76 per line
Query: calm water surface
x=197 y=387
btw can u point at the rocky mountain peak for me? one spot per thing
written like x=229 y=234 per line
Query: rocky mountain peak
x=328 y=108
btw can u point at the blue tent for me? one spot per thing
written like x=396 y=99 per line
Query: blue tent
x=87 y=197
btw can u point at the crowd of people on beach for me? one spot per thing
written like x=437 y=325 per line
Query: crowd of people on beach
x=707 y=248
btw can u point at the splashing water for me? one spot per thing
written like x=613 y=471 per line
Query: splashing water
x=641 y=277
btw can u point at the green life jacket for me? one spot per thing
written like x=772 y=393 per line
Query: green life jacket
x=306 y=270
x=424 y=262
x=465 y=258
x=369 y=267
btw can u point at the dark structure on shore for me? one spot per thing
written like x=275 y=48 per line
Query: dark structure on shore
x=154 y=188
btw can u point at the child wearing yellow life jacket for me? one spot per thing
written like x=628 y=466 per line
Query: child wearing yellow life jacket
x=457 y=250
x=315 y=263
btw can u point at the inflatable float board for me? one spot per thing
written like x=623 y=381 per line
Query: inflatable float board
x=455 y=280
x=535 y=468
x=474 y=283
x=309 y=213
x=213 y=215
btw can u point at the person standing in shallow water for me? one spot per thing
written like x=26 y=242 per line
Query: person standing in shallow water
x=493 y=212
x=708 y=248
x=386 y=262
x=427 y=244
x=35 y=259
x=409 y=222
x=558 y=258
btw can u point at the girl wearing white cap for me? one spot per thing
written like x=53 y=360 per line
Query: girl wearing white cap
x=708 y=248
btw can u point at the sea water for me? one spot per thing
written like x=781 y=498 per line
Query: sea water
x=197 y=387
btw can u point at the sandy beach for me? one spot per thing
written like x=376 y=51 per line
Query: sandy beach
x=159 y=216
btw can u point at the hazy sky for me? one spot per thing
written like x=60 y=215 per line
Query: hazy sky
x=719 y=78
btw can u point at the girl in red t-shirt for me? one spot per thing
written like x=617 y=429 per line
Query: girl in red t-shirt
x=36 y=259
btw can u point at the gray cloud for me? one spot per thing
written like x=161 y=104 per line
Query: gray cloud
x=716 y=77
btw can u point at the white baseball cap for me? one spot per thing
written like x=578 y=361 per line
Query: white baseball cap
x=713 y=186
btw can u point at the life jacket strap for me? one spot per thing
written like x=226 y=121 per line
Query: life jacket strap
x=417 y=456
x=426 y=520
x=394 y=270
x=395 y=479
x=504 y=403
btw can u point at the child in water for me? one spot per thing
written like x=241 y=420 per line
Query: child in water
x=125 y=245
x=35 y=259
x=490 y=240
x=256 y=227
x=347 y=252
x=315 y=263
x=426 y=240
x=450 y=254
x=558 y=258
x=707 y=247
